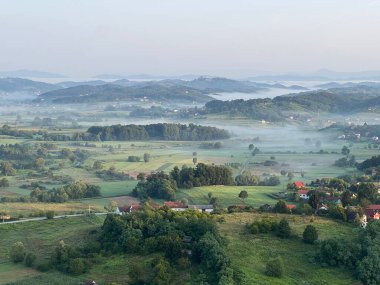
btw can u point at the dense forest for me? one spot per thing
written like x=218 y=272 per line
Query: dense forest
x=173 y=132
x=341 y=100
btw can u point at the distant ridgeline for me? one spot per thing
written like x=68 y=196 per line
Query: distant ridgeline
x=339 y=100
x=173 y=132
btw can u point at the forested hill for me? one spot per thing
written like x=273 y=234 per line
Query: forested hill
x=113 y=92
x=337 y=101
x=172 y=132
x=10 y=85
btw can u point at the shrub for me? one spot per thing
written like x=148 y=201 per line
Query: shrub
x=310 y=234
x=281 y=207
x=275 y=267
x=184 y=263
x=30 y=259
x=50 y=215
x=44 y=267
x=77 y=266
x=283 y=230
x=17 y=253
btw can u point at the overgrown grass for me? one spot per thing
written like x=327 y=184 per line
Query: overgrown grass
x=250 y=252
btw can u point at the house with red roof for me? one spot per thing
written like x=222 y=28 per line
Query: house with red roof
x=298 y=185
x=373 y=212
x=291 y=207
x=128 y=209
x=303 y=194
x=176 y=206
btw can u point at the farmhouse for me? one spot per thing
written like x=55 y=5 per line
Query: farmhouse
x=202 y=208
x=303 y=194
x=291 y=207
x=176 y=206
x=298 y=185
x=373 y=212
x=331 y=200
x=128 y=209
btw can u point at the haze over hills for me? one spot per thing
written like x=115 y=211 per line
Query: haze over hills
x=347 y=100
x=25 y=73
x=9 y=85
x=171 y=88
x=113 y=92
x=321 y=75
x=347 y=84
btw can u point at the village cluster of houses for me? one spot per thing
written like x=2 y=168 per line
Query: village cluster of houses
x=175 y=206
x=372 y=212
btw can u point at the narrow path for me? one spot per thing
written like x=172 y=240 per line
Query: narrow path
x=44 y=218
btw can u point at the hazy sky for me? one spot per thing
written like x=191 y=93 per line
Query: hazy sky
x=217 y=37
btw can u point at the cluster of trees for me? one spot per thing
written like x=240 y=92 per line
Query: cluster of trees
x=77 y=190
x=374 y=161
x=360 y=257
x=174 y=235
x=282 y=228
x=73 y=260
x=346 y=161
x=248 y=179
x=164 y=131
x=18 y=254
x=156 y=185
x=16 y=152
x=164 y=186
x=202 y=175
x=216 y=145
x=111 y=174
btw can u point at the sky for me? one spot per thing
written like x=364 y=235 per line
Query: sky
x=234 y=38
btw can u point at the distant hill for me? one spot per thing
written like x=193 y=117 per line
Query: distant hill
x=24 y=73
x=347 y=85
x=67 y=84
x=11 y=85
x=113 y=92
x=337 y=100
x=320 y=75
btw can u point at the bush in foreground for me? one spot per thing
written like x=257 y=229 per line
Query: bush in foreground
x=310 y=234
x=283 y=230
x=17 y=253
x=275 y=267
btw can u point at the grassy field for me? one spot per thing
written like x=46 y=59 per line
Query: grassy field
x=247 y=252
x=40 y=237
x=250 y=253
x=16 y=209
x=228 y=195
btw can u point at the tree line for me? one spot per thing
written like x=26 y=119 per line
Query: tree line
x=160 y=131
x=77 y=190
